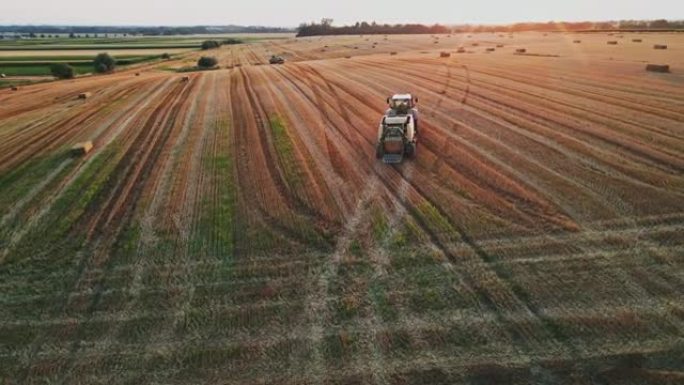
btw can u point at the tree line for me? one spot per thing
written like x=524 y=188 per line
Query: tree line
x=325 y=27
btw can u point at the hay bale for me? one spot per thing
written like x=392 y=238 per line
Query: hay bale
x=664 y=68
x=185 y=79
x=499 y=46
x=3 y=76
x=460 y=50
x=520 y=50
x=612 y=42
x=636 y=40
x=577 y=41
x=84 y=95
x=14 y=88
x=444 y=54
x=491 y=49
x=81 y=149
x=659 y=46
x=347 y=57
x=137 y=74
x=393 y=53
x=475 y=44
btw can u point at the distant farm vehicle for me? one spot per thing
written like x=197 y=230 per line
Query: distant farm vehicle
x=276 y=60
x=185 y=79
x=398 y=130
x=84 y=95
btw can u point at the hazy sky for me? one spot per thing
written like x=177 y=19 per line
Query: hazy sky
x=292 y=12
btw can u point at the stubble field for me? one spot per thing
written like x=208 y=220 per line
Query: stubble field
x=237 y=229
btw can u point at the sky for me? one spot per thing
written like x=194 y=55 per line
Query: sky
x=289 y=13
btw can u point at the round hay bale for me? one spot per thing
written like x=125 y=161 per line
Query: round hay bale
x=663 y=68
x=577 y=41
x=499 y=46
x=636 y=40
x=444 y=54
x=393 y=53
x=14 y=88
x=491 y=49
x=3 y=76
x=612 y=42
x=521 y=50
x=475 y=44
x=460 y=50
x=659 y=46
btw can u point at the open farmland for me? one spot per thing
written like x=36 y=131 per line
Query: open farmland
x=237 y=229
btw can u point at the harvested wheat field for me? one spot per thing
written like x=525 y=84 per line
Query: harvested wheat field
x=236 y=228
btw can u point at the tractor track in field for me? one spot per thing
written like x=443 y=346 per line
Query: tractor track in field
x=436 y=239
x=428 y=130
x=592 y=165
x=527 y=113
x=575 y=110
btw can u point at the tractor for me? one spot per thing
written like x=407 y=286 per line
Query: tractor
x=276 y=60
x=398 y=130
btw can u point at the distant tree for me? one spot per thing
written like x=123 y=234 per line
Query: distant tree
x=210 y=44
x=104 y=63
x=231 y=41
x=207 y=62
x=659 y=24
x=31 y=35
x=62 y=71
x=42 y=36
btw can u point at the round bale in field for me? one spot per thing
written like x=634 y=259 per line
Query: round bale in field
x=520 y=50
x=499 y=46
x=612 y=42
x=14 y=88
x=491 y=49
x=3 y=76
x=659 y=46
x=393 y=53
x=444 y=54
x=636 y=40
x=460 y=50
x=664 y=68
x=577 y=41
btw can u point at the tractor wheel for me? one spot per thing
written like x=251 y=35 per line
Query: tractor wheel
x=410 y=150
